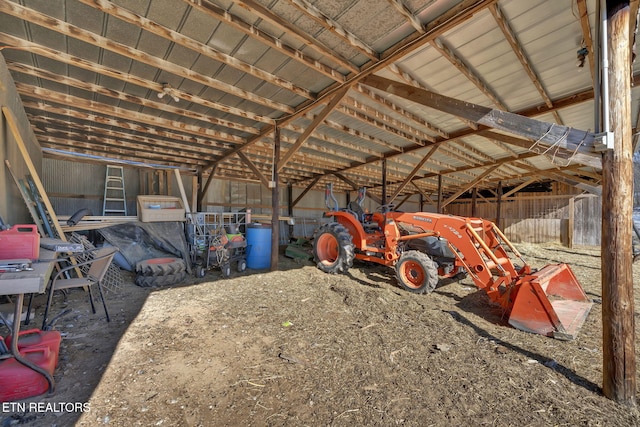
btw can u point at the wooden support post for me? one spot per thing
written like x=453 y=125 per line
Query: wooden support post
x=384 y=181
x=619 y=361
x=197 y=189
x=439 y=205
x=194 y=194
x=151 y=188
x=162 y=188
x=499 y=205
x=275 y=203
x=290 y=207
x=202 y=192
x=142 y=181
x=570 y=222
x=474 y=202
x=169 y=184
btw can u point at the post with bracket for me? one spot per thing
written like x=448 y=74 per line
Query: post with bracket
x=618 y=328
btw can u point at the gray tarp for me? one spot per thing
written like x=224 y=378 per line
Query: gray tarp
x=139 y=241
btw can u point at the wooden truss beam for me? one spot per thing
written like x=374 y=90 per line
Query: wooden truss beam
x=546 y=134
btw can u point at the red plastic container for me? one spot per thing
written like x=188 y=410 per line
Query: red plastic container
x=34 y=338
x=20 y=242
x=18 y=381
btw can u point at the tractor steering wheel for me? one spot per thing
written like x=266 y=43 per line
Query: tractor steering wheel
x=386 y=208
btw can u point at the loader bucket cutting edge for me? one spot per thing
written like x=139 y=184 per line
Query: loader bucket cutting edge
x=550 y=302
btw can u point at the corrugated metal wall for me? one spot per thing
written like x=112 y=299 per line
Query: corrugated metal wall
x=75 y=185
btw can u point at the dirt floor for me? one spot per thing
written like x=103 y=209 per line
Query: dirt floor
x=300 y=347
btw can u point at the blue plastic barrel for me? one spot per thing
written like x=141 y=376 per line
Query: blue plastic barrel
x=258 y=246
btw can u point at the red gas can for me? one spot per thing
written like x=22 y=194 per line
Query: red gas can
x=20 y=242
x=32 y=338
x=18 y=381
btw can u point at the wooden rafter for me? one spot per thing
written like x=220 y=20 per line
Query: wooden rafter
x=85 y=104
x=466 y=70
x=93 y=118
x=295 y=32
x=399 y=110
x=239 y=24
x=546 y=134
x=586 y=35
x=253 y=167
x=442 y=23
x=126 y=15
x=97 y=40
x=575 y=182
x=128 y=78
x=413 y=173
x=561 y=153
x=404 y=11
x=519 y=187
x=572 y=99
x=312 y=127
x=335 y=27
x=110 y=93
x=510 y=36
x=407 y=77
x=472 y=184
x=395 y=127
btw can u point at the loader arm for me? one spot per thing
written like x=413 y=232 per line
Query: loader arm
x=474 y=242
x=548 y=302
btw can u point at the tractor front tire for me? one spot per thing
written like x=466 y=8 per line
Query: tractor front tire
x=333 y=249
x=416 y=272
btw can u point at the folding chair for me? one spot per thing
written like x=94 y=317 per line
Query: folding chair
x=94 y=269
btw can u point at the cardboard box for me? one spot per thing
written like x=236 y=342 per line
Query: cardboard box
x=160 y=208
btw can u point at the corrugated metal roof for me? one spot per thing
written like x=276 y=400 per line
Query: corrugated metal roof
x=90 y=72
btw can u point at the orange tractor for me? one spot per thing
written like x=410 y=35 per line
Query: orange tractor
x=422 y=246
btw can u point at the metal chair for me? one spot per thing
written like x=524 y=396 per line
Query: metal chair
x=93 y=269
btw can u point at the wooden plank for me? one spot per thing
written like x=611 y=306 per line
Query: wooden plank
x=27 y=199
x=11 y=122
x=183 y=194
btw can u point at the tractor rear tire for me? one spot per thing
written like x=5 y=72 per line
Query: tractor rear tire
x=160 y=266
x=158 y=281
x=416 y=272
x=333 y=249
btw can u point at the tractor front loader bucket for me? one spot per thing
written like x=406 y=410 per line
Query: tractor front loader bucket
x=550 y=302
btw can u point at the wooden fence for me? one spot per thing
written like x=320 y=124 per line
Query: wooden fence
x=537 y=218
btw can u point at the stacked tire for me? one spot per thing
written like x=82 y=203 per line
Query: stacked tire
x=158 y=272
